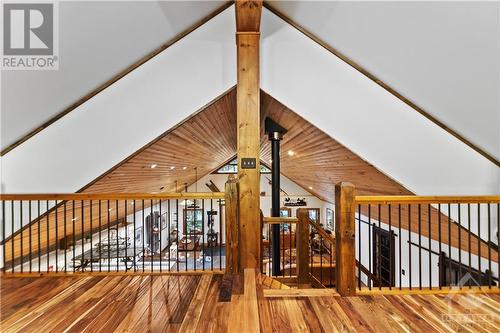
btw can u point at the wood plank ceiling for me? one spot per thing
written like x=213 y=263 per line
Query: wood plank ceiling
x=206 y=141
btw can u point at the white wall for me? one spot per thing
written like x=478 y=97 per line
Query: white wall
x=105 y=130
x=97 y=40
x=367 y=119
x=442 y=55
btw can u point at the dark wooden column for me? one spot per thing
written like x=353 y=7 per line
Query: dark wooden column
x=345 y=239
x=248 y=121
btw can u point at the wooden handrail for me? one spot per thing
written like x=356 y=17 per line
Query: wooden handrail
x=321 y=231
x=367 y=272
x=414 y=199
x=279 y=220
x=113 y=196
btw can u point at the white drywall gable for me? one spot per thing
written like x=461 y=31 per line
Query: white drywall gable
x=127 y=115
x=367 y=119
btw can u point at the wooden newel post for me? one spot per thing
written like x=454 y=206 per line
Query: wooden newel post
x=345 y=239
x=302 y=240
x=231 y=202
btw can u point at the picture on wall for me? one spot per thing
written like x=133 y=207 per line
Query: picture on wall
x=138 y=236
x=330 y=224
x=163 y=221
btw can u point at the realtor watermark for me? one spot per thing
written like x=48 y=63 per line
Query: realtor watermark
x=471 y=314
x=30 y=36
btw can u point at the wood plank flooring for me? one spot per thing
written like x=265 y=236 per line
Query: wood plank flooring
x=216 y=303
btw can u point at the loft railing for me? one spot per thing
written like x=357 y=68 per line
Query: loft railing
x=91 y=233
x=307 y=251
x=416 y=242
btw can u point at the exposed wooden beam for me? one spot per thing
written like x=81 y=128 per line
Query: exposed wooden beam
x=248 y=130
x=248 y=14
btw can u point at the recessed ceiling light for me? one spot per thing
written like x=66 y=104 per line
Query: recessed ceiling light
x=291 y=153
x=153 y=166
x=310 y=187
x=172 y=167
x=132 y=203
x=110 y=209
x=74 y=219
x=271 y=161
x=184 y=168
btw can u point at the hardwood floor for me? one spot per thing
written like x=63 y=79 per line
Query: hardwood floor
x=216 y=303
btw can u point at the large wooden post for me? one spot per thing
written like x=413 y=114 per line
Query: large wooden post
x=248 y=121
x=345 y=239
x=231 y=205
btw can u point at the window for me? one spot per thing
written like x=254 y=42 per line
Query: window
x=193 y=221
x=232 y=167
x=314 y=214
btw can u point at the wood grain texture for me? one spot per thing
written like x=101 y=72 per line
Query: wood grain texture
x=190 y=304
x=248 y=143
x=248 y=13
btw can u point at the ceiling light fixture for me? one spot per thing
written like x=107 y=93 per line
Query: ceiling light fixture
x=291 y=153
x=172 y=167
x=153 y=166
x=310 y=187
x=184 y=168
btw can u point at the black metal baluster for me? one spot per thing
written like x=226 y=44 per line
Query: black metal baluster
x=479 y=236
x=449 y=238
x=390 y=233
x=439 y=236
x=29 y=236
x=57 y=237
x=160 y=232
x=212 y=243
x=489 y=246
x=65 y=241
x=177 y=233
x=151 y=238
x=459 y=241
x=370 y=245
x=282 y=233
x=359 y=247
x=29 y=230
x=109 y=239
x=419 y=247
x=430 y=244
x=400 y=269
x=134 y=240
x=117 y=237
x=100 y=237
x=143 y=238
x=202 y=233
x=498 y=238
x=91 y=236
x=39 y=240
x=21 y=233
x=379 y=248
x=73 y=219
x=169 y=244
x=221 y=232
x=12 y=235
x=83 y=234
x=469 y=245
x=410 y=282
x=48 y=239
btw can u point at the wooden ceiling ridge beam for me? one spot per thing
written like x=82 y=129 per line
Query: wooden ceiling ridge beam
x=118 y=76
x=381 y=83
x=248 y=14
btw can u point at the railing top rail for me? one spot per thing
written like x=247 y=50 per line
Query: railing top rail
x=113 y=196
x=278 y=220
x=414 y=199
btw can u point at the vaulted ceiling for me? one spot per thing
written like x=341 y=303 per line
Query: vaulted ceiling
x=208 y=139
